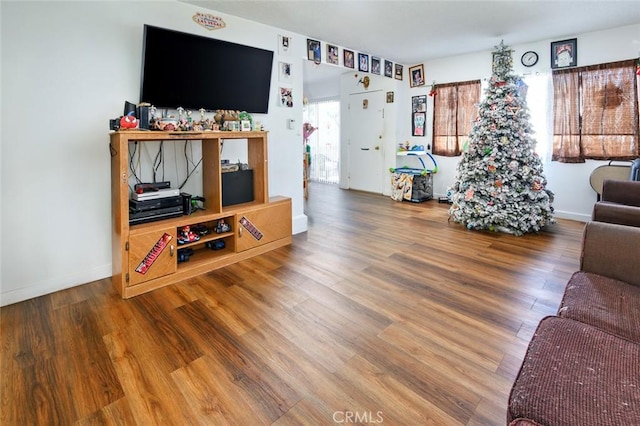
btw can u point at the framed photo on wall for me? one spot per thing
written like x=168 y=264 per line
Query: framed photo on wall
x=284 y=45
x=389 y=97
x=564 y=53
x=398 y=73
x=284 y=71
x=313 y=50
x=348 y=58
x=332 y=54
x=375 y=65
x=417 y=124
x=363 y=62
x=388 y=69
x=419 y=103
x=416 y=73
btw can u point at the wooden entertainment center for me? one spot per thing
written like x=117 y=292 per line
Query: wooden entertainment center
x=145 y=255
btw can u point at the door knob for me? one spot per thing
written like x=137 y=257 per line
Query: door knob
x=377 y=148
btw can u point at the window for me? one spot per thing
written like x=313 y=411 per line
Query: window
x=595 y=113
x=454 y=112
x=539 y=99
x=324 y=143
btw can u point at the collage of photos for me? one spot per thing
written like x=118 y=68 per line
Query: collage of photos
x=360 y=61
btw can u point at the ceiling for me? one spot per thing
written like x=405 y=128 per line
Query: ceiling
x=411 y=32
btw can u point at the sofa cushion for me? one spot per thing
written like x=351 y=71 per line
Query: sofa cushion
x=576 y=374
x=604 y=211
x=608 y=304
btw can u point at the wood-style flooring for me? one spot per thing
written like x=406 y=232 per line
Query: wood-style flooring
x=382 y=313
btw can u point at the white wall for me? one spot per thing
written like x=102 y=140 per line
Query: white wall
x=574 y=196
x=67 y=67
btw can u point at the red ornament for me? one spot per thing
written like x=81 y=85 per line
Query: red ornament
x=128 y=122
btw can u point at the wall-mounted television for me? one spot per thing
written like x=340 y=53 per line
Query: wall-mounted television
x=193 y=72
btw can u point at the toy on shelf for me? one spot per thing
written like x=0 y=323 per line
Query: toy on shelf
x=186 y=235
x=222 y=227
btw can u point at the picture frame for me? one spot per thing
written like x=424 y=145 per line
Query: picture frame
x=332 y=54
x=313 y=50
x=564 y=53
x=398 y=72
x=284 y=45
x=375 y=65
x=286 y=97
x=245 y=126
x=416 y=75
x=363 y=62
x=418 y=123
x=388 y=69
x=390 y=96
x=284 y=71
x=419 y=103
x=348 y=58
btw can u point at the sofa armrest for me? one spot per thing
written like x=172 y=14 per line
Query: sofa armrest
x=625 y=192
x=604 y=211
x=611 y=250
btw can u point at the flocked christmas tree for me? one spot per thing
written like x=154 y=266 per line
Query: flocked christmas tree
x=500 y=185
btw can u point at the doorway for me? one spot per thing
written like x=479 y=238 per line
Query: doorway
x=366 y=119
x=323 y=145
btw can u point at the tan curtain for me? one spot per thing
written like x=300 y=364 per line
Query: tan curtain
x=454 y=111
x=596 y=113
x=468 y=99
x=610 y=111
x=566 y=117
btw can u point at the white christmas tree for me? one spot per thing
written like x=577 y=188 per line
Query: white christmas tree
x=500 y=185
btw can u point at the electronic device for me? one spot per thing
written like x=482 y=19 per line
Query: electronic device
x=153 y=215
x=237 y=187
x=160 y=193
x=228 y=75
x=158 y=203
x=150 y=187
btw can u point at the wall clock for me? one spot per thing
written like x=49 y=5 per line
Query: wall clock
x=529 y=59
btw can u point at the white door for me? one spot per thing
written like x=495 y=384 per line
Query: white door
x=366 y=113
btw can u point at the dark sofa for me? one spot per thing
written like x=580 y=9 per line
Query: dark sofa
x=582 y=367
x=620 y=203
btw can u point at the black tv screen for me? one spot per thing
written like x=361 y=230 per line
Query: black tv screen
x=193 y=72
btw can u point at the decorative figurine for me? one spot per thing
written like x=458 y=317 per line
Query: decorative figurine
x=222 y=227
x=128 y=121
x=187 y=236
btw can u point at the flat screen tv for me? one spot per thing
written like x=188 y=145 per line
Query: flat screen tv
x=193 y=72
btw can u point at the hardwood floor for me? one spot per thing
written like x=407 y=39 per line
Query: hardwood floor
x=382 y=313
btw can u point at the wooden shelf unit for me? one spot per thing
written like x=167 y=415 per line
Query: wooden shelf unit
x=270 y=218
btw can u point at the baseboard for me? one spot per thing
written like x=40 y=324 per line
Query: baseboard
x=572 y=216
x=63 y=283
x=300 y=224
